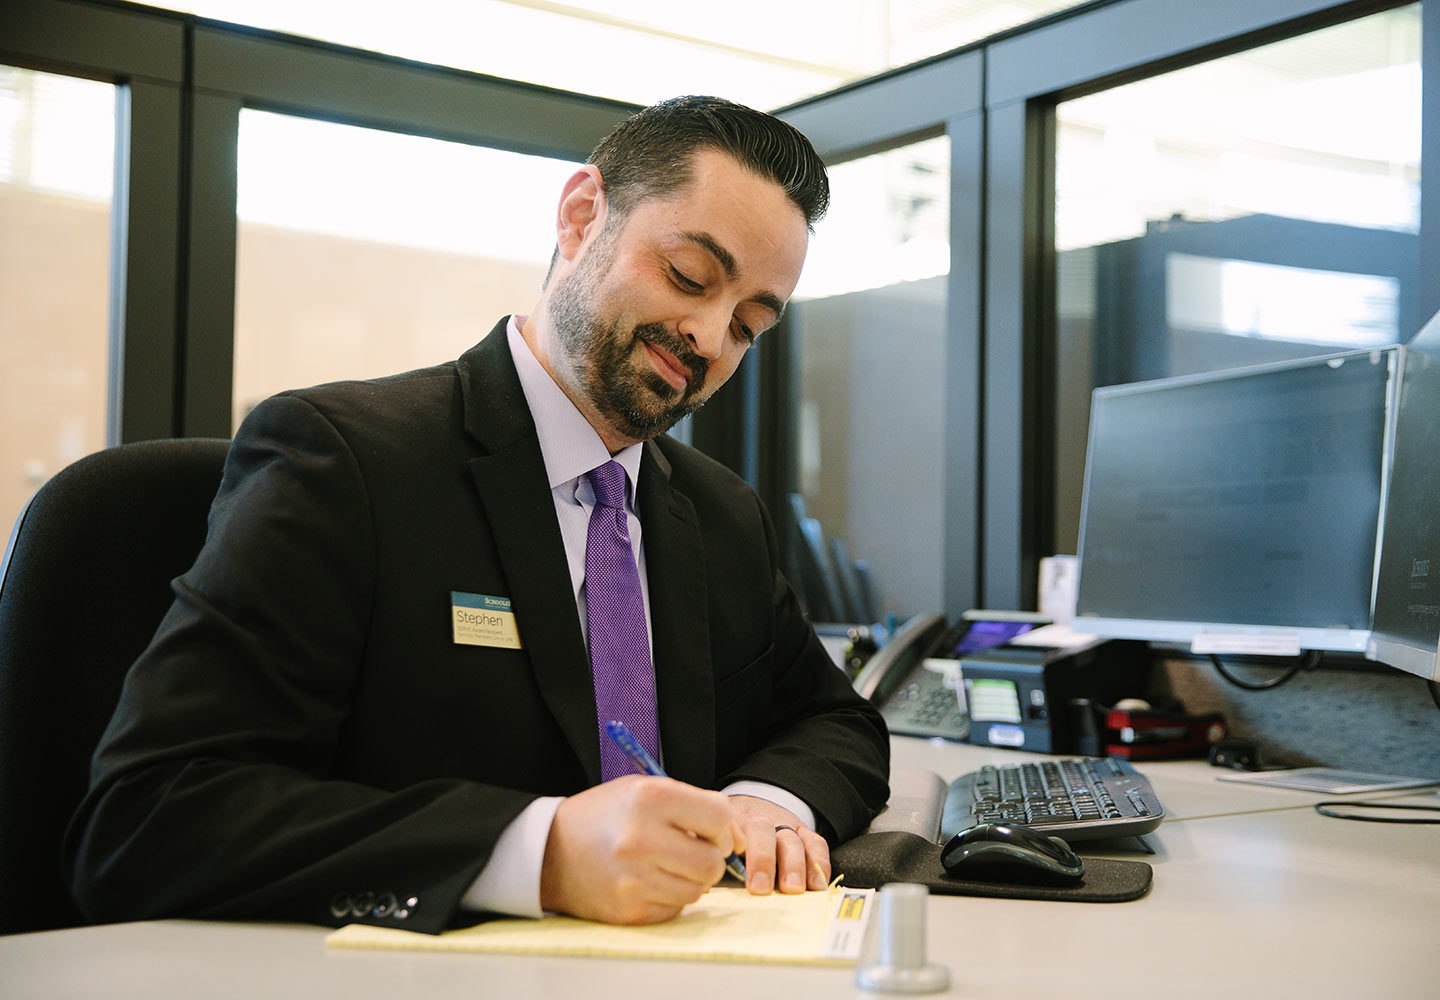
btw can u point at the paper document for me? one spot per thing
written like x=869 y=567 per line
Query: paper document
x=1057 y=635
x=727 y=924
x=1330 y=780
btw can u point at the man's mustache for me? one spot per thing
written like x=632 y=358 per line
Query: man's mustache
x=657 y=334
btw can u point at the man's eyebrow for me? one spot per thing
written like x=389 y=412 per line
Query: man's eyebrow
x=727 y=262
x=707 y=242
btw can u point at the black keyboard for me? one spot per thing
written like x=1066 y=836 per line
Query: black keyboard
x=1082 y=798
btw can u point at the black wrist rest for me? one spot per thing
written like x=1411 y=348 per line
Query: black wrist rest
x=873 y=859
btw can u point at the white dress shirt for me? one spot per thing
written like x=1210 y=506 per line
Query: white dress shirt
x=510 y=881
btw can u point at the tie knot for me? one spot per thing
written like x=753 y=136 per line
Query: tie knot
x=608 y=481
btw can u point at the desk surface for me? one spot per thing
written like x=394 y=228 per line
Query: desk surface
x=1255 y=894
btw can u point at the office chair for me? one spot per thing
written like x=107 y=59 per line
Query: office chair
x=85 y=581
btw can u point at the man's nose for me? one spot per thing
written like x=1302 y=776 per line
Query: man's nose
x=705 y=329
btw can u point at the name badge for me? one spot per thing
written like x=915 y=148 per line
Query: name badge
x=479 y=620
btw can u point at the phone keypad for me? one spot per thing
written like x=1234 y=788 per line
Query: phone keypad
x=924 y=706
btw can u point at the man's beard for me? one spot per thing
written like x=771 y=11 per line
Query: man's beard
x=611 y=366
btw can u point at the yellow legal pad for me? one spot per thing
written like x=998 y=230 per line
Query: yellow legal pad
x=727 y=924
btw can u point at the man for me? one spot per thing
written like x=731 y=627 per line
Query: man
x=372 y=700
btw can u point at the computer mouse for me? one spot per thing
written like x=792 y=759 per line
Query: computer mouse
x=1004 y=852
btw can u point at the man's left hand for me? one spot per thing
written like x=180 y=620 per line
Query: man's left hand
x=776 y=858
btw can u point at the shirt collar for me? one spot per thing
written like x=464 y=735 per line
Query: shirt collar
x=568 y=444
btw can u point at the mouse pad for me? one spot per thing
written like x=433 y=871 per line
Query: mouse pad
x=872 y=859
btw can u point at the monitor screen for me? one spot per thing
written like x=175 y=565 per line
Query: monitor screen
x=1407 y=585
x=1237 y=511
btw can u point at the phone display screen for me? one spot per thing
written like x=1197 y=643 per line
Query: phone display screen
x=989 y=634
x=993 y=700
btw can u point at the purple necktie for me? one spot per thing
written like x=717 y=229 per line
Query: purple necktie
x=615 y=616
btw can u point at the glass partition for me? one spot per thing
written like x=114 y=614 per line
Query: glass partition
x=57 y=162
x=364 y=253
x=868 y=334
x=1256 y=208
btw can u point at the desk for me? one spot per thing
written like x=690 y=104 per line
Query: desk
x=1255 y=895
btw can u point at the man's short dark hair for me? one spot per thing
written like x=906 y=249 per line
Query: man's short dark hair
x=649 y=154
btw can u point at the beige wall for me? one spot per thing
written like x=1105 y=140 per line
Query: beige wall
x=309 y=308
x=54 y=307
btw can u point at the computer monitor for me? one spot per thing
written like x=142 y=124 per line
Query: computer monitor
x=1237 y=512
x=1407 y=584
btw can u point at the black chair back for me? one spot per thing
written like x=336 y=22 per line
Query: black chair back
x=84 y=583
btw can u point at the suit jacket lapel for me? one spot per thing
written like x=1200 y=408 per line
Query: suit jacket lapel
x=679 y=621
x=515 y=493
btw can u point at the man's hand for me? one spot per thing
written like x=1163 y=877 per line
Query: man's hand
x=775 y=858
x=637 y=849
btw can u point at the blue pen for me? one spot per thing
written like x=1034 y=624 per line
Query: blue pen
x=647 y=764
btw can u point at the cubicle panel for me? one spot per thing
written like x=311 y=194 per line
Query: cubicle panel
x=1429 y=295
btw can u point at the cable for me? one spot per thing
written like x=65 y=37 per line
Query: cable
x=1320 y=807
x=1307 y=662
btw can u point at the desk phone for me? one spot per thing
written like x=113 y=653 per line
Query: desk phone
x=914 y=678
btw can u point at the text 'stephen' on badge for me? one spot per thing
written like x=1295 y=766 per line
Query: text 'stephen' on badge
x=480 y=620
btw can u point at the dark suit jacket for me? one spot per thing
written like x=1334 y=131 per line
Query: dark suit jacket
x=303 y=730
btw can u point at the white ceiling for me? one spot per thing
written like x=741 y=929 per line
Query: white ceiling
x=760 y=52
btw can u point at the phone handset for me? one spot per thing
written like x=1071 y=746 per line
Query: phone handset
x=893 y=662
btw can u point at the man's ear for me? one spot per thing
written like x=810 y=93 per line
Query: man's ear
x=582 y=211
